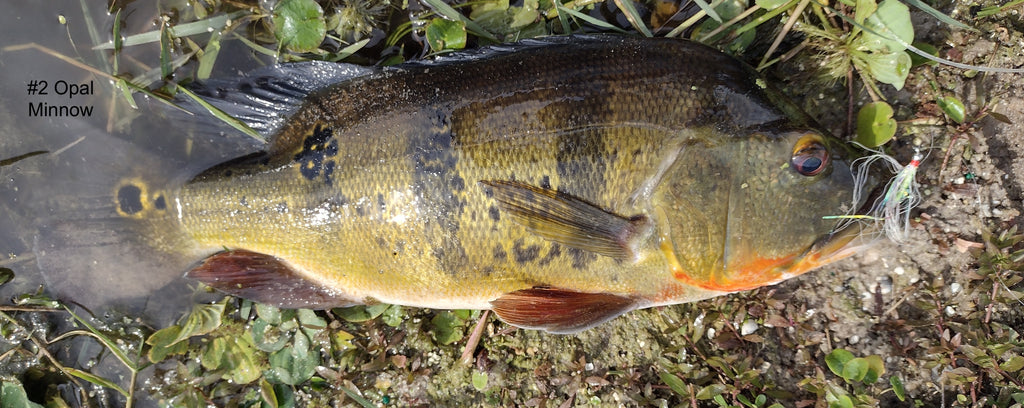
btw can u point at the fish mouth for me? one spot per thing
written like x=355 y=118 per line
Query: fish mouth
x=851 y=235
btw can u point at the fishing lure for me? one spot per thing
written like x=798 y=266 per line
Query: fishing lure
x=902 y=194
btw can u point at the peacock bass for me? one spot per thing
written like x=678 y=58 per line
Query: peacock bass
x=559 y=182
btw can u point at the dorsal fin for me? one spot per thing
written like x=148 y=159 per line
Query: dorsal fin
x=559 y=311
x=565 y=219
x=265 y=279
x=264 y=98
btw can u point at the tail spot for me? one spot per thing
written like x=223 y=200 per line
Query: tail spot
x=132 y=199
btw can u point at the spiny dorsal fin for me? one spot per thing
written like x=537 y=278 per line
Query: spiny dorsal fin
x=565 y=219
x=265 y=279
x=559 y=311
x=264 y=98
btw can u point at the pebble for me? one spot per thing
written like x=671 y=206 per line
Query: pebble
x=955 y=288
x=748 y=327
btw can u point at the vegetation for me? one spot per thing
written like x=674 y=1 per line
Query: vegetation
x=950 y=337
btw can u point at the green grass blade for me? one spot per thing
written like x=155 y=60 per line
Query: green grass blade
x=991 y=10
x=255 y=47
x=593 y=21
x=447 y=11
x=209 y=56
x=219 y=114
x=351 y=49
x=633 y=16
x=181 y=30
x=708 y=9
x=95 y=379
x=765 y=17
x=939 y=15
x=561 y=10
x=110 y=344
x=363 y=402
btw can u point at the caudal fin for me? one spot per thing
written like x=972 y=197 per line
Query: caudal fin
x=107 y=234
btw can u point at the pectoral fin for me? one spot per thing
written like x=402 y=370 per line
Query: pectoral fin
x=565 y=219
x=264 y=279
x=559 y=311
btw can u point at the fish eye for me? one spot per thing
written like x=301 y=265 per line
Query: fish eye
x=810 y=156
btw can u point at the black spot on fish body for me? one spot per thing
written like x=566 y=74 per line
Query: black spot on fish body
x=525 y=254
x=554 y=252
x=434 y=177
x=242 y=201
x=381 y=203
x=580 y=158
x=545 y=182
x=494 y=213
x=317 y=149
x=457 y=183
x=580 y=258
x=160 y=203
x=129 y=199
x=499 y=253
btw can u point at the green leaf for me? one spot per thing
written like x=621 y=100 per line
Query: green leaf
x=393 y=316
x=952 y=107
x=13 y=395
x=673 y=382
x=1013 y=364
x=855 y=370
x=876 y=367
x=268 y=313
x=889 y=28
x=837 y=359
x=203 y=320
x=240 y=360
x=447 y=327
x=268 y=394
x=213 y=354
x=916 y=60
x=875 y=127
x=310 y=320
x=267 y=337
x=897 y=388
x=479 y=380
x=891 y=68
x=446 y=34
x=299 y=24
x=445 y=10
x=295 y=364
x=163 y=344
x=710 y=391
x=842 y=401
x=6 y=275
x=359 y=314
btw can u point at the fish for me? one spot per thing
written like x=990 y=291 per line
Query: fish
x=560 y=182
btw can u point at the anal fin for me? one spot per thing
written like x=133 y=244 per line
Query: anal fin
x=570 y=221
x=559 y=311
x=265 y=279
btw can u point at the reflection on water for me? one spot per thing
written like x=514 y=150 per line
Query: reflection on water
x=93 y=138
